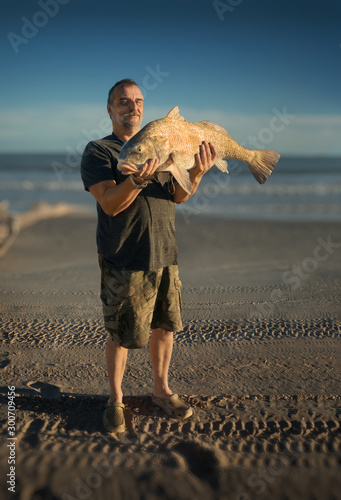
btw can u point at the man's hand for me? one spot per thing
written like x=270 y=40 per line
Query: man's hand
x=204 y=160
x=114 y=198
x=146 y=172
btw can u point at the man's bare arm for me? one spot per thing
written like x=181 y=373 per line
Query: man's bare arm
x=114 y=198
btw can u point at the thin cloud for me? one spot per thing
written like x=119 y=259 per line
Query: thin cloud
x=62 y=126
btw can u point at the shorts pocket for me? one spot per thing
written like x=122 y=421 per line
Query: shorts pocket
x=178 y=286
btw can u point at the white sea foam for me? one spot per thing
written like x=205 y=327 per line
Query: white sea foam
x=236 y=189
x=28 y=185
x=277 y=190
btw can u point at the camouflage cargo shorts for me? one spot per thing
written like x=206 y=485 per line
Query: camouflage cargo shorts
x=136 y=301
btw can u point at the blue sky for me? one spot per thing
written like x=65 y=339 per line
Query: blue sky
x=240 y=63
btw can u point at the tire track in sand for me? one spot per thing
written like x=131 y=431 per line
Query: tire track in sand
x=280 y=436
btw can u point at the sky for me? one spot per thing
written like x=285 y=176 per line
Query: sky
x=268 y=71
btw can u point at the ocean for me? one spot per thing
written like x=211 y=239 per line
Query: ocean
x=299 y=189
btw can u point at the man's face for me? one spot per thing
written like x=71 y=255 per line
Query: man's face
x=126 y=108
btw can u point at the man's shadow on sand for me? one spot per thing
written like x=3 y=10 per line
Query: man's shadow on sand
x=76 y=412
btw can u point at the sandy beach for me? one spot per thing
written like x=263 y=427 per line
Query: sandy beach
x=258 y=359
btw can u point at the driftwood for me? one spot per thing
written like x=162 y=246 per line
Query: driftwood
x=12 y=224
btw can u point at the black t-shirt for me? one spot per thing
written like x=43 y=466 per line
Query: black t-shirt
x=141 y=237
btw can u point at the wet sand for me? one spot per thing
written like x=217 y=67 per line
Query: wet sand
x=259 y=360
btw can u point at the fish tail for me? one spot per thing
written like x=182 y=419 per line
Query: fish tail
x=261 y=163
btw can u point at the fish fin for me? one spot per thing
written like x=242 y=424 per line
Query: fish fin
x=214 y=126
x=262 y=164
x=180 y=174
x=175 y=114
x=163 y=177
x=222 y=165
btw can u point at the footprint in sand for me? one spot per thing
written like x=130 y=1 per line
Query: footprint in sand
x=4 y=361
x=32 y=432
x=46 y=390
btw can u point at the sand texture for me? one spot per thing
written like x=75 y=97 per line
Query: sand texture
x=258 y=359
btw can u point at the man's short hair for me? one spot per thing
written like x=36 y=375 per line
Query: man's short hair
x=126 y=82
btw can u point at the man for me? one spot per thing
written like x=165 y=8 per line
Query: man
x=140 y=286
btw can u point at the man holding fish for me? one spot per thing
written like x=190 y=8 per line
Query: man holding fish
x=137 y=177
x=140 y=286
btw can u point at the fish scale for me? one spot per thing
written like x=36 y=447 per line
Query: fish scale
x=175 y=142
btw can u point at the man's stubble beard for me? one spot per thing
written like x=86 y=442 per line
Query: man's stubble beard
x=130 y=127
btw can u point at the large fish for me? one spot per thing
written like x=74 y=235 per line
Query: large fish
x=175 y=141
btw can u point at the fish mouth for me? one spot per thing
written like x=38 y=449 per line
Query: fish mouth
x=126 y=167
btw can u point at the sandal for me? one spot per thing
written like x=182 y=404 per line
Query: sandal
x=173 y=406
x=113 y=417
